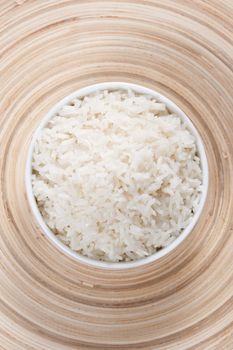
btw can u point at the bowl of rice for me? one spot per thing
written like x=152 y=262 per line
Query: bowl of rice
x=116 y=175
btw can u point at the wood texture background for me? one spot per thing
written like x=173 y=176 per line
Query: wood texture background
x=182 y=48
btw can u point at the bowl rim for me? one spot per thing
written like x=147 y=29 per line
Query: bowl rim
x=173 y=108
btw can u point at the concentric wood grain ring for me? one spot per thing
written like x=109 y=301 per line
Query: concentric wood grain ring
x=183 y=49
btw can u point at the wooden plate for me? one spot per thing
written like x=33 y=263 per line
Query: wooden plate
x=184 y=50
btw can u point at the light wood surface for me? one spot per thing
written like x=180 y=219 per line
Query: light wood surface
x=183 y=49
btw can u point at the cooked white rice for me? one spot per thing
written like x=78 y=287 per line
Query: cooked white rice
x=116 y=177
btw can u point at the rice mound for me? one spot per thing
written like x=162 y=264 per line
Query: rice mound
x=116 y=176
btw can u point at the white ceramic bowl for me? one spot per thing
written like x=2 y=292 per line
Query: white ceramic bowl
x=172 y=108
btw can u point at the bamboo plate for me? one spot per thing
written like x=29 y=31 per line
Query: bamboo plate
x=184 y=50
